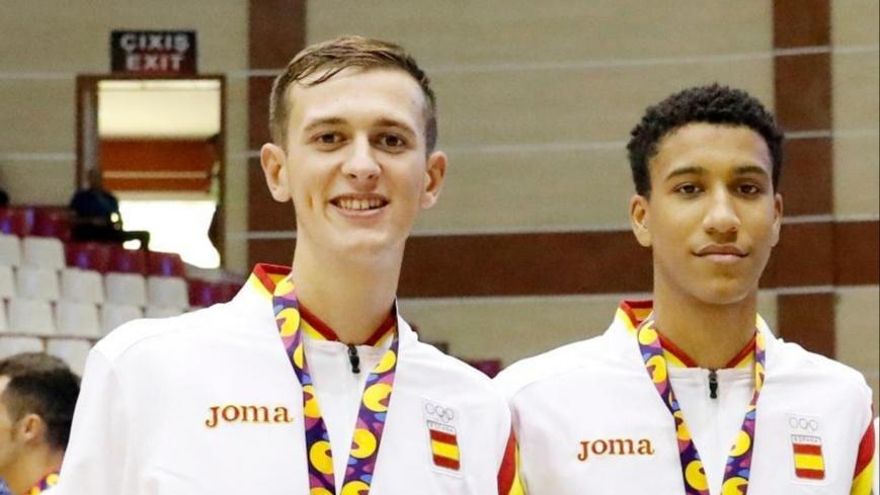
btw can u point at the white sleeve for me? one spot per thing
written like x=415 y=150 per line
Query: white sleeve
x=96 y=458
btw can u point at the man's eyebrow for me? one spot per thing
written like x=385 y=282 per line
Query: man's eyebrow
x=322 y=122
x=750 y=169
x=689 y=170
x=390 y=122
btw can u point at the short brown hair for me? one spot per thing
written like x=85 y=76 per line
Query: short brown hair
x=43 y=385
x=335 y=56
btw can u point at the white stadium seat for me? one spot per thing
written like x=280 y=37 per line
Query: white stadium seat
x=162 y=311
x=125 y=288
x=113 y=315
x=7 y=282
x=77 y=318
x=37 y=283
x=10 y=250
x=167 y=292
x=72 y=351
x=82 y=286
x=31 y=316
x=10 y=346
x=44 y=252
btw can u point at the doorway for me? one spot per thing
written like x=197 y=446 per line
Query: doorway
x=159 y=146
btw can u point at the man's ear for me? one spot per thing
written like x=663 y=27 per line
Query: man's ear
x=777 y=220
x=638 y=219
x=435 y=175
x=273 y=160
x=31 y=428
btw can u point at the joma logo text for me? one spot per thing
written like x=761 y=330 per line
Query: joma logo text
x=614 y=446
x=236 y=413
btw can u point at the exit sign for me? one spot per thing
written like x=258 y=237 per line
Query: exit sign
x=153 y=52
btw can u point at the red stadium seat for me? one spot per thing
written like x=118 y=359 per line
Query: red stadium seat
x=51 y=221
x=203 y=293
x=228 y=290
x=127 y=261
x=88 y=255
x=16 y=220
x=166 y=264
x=490 y=367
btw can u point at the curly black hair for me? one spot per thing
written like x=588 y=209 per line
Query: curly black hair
x=714 y=104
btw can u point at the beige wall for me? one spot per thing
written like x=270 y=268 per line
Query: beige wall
x=47 y=43
x=536 y=99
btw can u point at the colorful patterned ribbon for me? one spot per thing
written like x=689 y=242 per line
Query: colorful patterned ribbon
x=737 y=471
x=371 y=417
x=48 y=481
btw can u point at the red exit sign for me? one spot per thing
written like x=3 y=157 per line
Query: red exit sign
x=153 y=52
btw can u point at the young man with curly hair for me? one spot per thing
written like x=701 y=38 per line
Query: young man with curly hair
x=691 y=393
x=37 y=395
x=309 y=381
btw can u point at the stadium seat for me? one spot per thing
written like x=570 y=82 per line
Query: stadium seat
x=167 y=292
x=166 y=264
x=202 y=293
x=162 y=312
x=72 y=351
x=126 y=260
x=77 y=318
x=31 y=316
x=10 y=250
x=125 y=288
x=44 y=252
x=16 y=221
x=88 y=255
x=228 y=290
x=82 y=286
x=52 y=221
x=113 y=315
x=7 y=283
x=12 y=345
x=37 y=283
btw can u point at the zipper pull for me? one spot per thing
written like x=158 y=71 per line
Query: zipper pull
x=354 y=359
x=713 y=384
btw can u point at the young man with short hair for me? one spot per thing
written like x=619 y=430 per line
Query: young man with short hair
x=308 y=382
x=37 y=395
x=691 y=393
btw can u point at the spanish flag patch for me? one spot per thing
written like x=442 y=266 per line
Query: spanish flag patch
x=808 y=461
x=444 y=446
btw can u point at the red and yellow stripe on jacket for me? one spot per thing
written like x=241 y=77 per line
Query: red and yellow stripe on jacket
x=509 y=482
x=863 y=477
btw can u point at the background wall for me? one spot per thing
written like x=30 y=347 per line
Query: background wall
x=528 y=247
x=45 y=44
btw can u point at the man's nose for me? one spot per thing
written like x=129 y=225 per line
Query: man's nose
x=361 y=164
x=721 y=217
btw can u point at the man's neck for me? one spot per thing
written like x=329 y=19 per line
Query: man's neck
x=711 y=334
x=31 y=468
x=353 y=297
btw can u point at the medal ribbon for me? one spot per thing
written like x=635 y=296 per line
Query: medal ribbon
x=737 y=471
x=358 y=476
x=48 y=481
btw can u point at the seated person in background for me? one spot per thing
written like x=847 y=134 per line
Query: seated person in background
x=38 y=393
x=96 y=215
x=4 y=198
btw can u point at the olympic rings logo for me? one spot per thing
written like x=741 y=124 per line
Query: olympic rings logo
x=444 y=414
x=803 y=424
